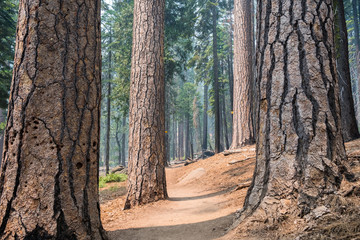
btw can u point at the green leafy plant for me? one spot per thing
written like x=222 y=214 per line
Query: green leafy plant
x=113 y=177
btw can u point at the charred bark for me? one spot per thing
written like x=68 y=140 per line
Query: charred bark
x=147 y=156
x=49 y=177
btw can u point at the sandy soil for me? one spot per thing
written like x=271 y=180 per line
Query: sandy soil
x=201 y=205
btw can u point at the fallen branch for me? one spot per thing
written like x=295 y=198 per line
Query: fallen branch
x=239 y=161
x=241 y=150
x=117 y=169
x=241 y=186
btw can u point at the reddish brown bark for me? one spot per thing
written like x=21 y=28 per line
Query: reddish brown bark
x=147 y=155
x=49 y=177
x=242 y=133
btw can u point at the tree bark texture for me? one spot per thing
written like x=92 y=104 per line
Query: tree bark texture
x=349 y=126
x=147 y=156
x=243 y=76
x=49 y=177
x=300 y=150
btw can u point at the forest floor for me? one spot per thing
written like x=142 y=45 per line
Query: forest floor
x=203 y=199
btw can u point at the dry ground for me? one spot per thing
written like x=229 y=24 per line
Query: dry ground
x=203 y=200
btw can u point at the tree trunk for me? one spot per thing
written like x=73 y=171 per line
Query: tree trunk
x=108 y=116
x=123 y=141
x=147 y=156
x=118 y=141
x=49 y=177
x=179 y=140
x=167 y=141
x=300 y=150
x=205 y=119
x=187 y=137
x=2 y=119
x=243 y=132
x=216 y=79
x=357 y=50
x=225 y=123
x=174 y=139
x=191 y=145
x=348 y=120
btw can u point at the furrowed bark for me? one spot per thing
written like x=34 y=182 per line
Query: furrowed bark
x=300 y=151
x=243 y=76
x=147 y=157
x=49 y=177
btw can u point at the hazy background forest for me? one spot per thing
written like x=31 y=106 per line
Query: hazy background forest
x=189 y=62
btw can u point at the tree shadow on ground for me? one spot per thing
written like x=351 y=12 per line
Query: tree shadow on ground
x=234 y=172
x=178 y=199
x=206 y=230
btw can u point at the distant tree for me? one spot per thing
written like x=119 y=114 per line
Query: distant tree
x=243 y=76
x=357 y=47
x=7 y=44
x=7 y=39
x=49 y=177
x=147 y=111
x=300 y=151
x=214 y=12
x=348 y=119
x=185 y=101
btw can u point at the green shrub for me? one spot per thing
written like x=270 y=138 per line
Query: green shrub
x=112 y=177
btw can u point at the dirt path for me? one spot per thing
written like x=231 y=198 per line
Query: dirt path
x=189 y=213
x=201 y=204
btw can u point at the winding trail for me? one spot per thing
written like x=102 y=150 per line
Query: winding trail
x=201 y=205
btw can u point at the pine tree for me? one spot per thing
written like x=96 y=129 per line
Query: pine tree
x=146 y=182
x=49 y=177
x=300 y=151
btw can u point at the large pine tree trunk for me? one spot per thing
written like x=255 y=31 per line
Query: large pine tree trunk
x=243 y=76
x=300 y=150
x=49 y=177
x=147 y=156
x=214 y=11
x=348 y=120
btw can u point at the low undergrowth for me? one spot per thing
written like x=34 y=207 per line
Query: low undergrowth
x=112 y=177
